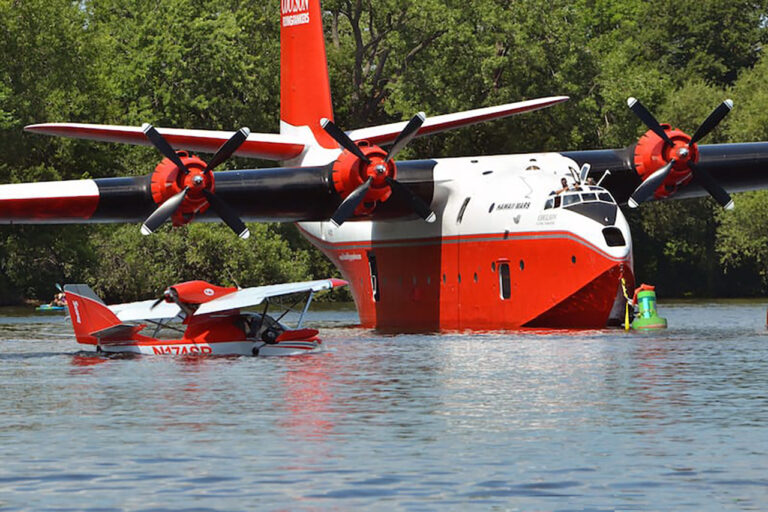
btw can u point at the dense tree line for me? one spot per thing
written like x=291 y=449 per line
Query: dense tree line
x=215 y=64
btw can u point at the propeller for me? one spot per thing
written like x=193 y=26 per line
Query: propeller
x=683 y=153
x=169 y=295
x=649 y=185
x=195 y=183
x=348 y=206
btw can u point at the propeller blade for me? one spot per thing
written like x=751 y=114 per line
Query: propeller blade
x=406 y=135
x=163 y=213
x=713 y=120
x=648 y=120
x=227 y=214
x=229 y=147
x=646 y=189
x=343 y=139
x=710 y=185
x=162 y=145
x=347 y=207
x=418 y=205
x=158 y=301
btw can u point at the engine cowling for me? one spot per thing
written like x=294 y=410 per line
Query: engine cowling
x=168 y=180
x=652 y=153
x=349 y=172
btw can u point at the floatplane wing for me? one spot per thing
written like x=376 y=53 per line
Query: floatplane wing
x=144 y=310
x=256 y=295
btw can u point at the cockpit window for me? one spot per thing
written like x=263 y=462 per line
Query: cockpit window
x=570 y=199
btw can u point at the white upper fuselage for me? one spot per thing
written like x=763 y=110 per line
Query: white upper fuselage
x=491 y=194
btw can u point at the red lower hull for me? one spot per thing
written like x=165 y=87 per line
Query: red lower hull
x=555 y=280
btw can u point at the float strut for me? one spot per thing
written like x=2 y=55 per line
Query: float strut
x=306 y=307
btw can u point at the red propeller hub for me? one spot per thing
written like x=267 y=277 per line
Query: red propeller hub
x=652 y=153
x=349 y=172
x=168 y=180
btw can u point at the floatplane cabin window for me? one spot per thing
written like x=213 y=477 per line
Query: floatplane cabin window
x=374 y=276
x=505 y=290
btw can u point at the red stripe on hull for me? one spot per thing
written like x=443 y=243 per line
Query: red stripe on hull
x=432 y=285
x=61 y=209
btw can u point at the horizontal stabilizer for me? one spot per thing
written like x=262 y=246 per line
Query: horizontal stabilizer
x=386 y=134
x=257 y=145
x=116 y=333
x=256 y=295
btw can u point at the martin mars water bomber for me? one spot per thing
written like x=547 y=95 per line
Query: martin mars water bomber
x=435 y=244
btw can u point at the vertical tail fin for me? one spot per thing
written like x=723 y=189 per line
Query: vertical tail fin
x=88 y=313
x=305 y=90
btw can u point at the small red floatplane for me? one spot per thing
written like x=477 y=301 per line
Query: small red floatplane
x=213 y=316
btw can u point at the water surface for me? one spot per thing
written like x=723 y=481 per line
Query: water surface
x=544 y=420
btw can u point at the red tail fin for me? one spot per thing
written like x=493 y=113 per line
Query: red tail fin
x=88 y=313
x=305 y=91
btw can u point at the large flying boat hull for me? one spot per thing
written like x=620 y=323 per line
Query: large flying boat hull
x=495 y=259
x=556 y=281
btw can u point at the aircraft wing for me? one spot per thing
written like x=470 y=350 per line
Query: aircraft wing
x=386 y=134
x=143 y=310
x=257 y=145
x=256 y=295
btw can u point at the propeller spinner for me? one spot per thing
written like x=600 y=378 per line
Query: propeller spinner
x=375 y=179
x=196 y=182
x=681 y=155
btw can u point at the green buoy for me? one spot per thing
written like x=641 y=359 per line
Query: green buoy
x=647 y=317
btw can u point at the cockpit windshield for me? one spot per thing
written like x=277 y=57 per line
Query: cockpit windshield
x=588 y=194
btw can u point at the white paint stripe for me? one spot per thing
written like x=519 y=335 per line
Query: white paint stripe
x=49 y=190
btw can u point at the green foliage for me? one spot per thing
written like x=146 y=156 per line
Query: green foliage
x=742 y=234
x=132 y=266
x=215 y=64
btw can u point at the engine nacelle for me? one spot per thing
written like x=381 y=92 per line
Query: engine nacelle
x=349 y=172
x=653 y=153
x=196 y=292
x=167 y=180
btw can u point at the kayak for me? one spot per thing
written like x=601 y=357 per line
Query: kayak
x=48 y=307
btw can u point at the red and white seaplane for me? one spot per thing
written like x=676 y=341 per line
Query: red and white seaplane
x=458 y=243
x=213 y=316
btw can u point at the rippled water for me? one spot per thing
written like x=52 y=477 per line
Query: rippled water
x=595 y=420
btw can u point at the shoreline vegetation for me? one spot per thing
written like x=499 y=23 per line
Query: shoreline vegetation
x=215 y=65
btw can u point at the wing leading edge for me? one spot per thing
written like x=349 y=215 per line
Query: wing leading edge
x=256 y=295
x=257 y=145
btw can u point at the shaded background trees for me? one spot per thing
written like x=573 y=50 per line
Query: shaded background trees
x=215 y=64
